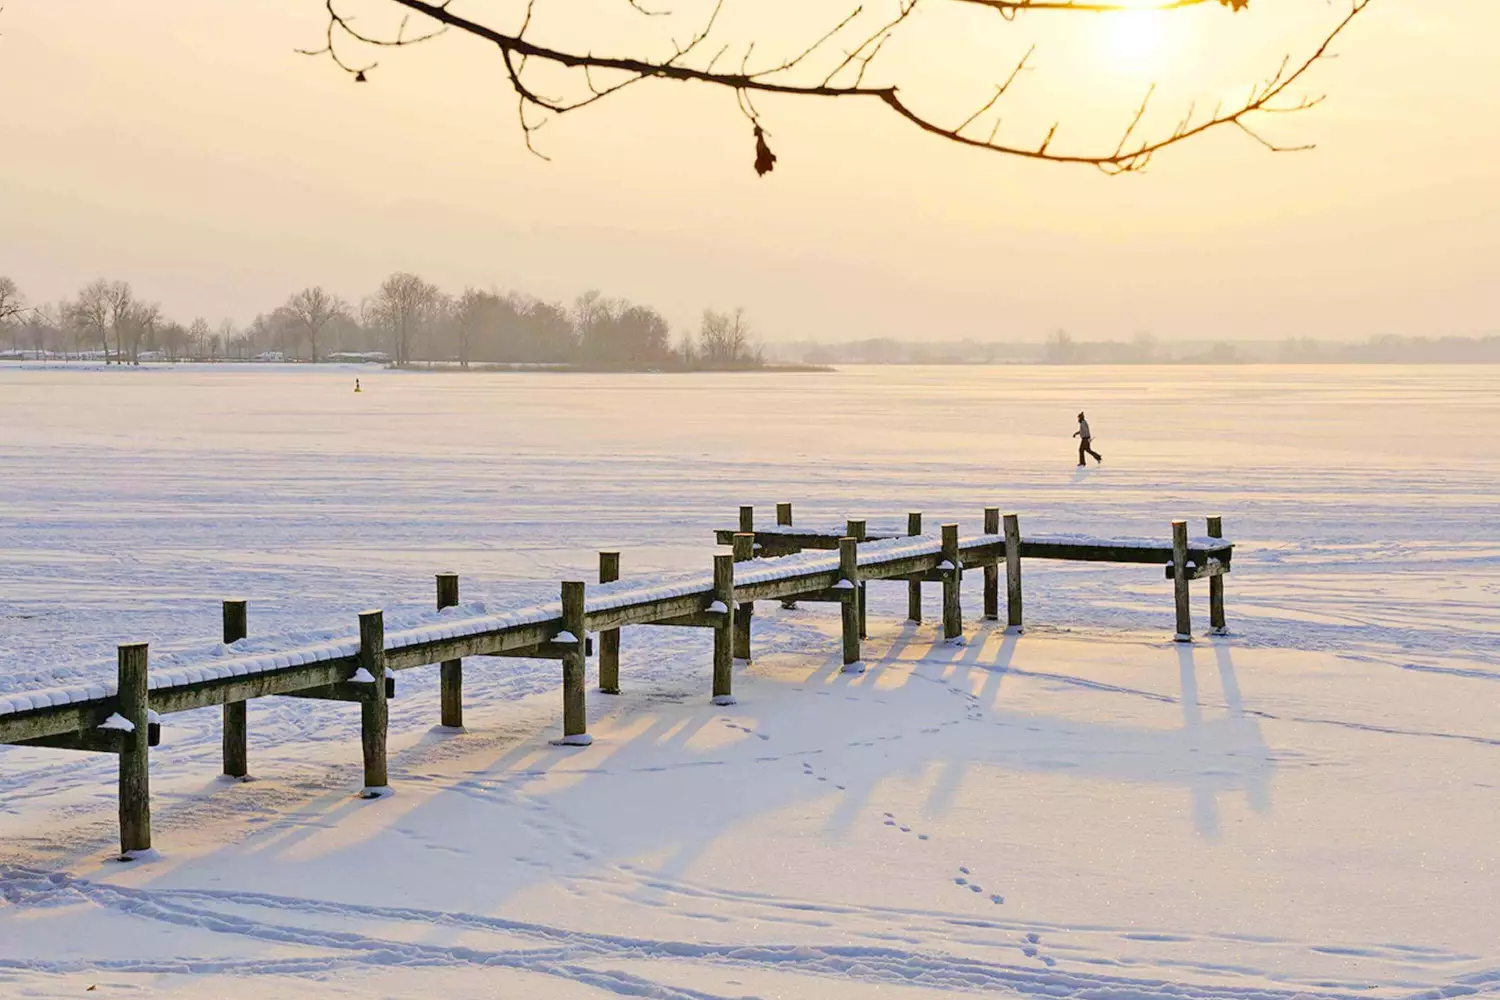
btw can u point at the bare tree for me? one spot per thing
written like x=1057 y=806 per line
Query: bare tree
x=836 y=59
x=402 y=306
x=12 y=302
x=90 y=313
x=198 y=337
x=140 y=323
x=312 y=309
x=724 y=340
x=120 y=301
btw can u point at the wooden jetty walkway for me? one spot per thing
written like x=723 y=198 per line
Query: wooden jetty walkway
x=786 y=563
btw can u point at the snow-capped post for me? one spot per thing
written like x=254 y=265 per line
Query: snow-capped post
x=723 y=604
x=609 y=639
x=952 y=564
x=1013 y=571
x=1180 y=581
x=374 y=713
x=135 y=759
x=992 y=569
x=784 y=520
x=1216 y=584
x=856 y=529
x=849 y=582
x=914 y=585
x=451 y=672
x=236 y=735
x=575 y=705
x=744 y=551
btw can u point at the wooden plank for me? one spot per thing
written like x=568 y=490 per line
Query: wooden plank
x=1213 y=571
x=235 y=744
x=991 y=568
x=55 y=721
x=546 y=651
x=344 y=691
x=849 y=613
x=1216 y=622
x=723 y=692
x=769 y=590
x=451 y=672
x=701 y=619
x=953 y=616
x=1013 y=551
x=646 y=612
x=1105 y=552
x=744 y=551
x=92 y=741
x=575 y=705
x=609 y=639
x=914 y=585
x=1180 y=582
x=374 y=713
x=135 y=753
x=478 y=644
x=186 y=697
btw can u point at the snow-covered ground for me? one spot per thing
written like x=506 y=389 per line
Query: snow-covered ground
x=1305 y=808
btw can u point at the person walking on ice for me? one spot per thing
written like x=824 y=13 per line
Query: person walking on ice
x=1084 y=445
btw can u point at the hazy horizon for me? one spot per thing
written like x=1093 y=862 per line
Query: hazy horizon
x=190 y=151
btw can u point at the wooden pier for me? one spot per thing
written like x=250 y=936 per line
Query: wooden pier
x=777 y=563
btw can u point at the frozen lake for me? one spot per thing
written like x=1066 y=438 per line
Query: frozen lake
x=1303 y=809
x=135 y=499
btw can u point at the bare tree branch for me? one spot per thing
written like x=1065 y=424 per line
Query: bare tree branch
x=833 y=77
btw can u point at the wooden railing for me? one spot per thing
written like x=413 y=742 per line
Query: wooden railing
x=784 y=563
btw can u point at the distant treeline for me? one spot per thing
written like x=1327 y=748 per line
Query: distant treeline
x=1143 y=349
x=405 y=321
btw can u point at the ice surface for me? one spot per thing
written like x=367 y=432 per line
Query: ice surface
x=1301 y=809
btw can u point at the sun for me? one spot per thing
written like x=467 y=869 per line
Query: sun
x=1135 y=39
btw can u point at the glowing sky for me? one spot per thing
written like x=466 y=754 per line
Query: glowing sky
x=188 y=149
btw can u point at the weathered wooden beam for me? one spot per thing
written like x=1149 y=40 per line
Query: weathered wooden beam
x=699 y=619
x=482 y=643
x=767 y=590
x=830 y=596
x=857 y=529
x=724 y=632
x=236 y=735
x=849 y=613
x=744 y=551
x=914 y=585
x=135 y=753
x=1180 y=582
x=349 y=691
x=609 y=639
x=546 y=651
x=952 y=563
x=575 y=703
x=991 y=568
x=1213 y=571
x=1216 y=620
x=374 y=713
x=39 y=723
x=1013 y=550
x=646 y=612
x=94 y=740
x=186 y=697
x=451 y=673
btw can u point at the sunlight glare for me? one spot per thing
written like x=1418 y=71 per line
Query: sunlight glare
x=1135 y=39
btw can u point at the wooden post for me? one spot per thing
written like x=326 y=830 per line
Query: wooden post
x=724 y=631
x=575 y=705
x=992 y=569
x=856 y=530
x=953 y=616
x=914 y=585
x=744 y=551
x=374 y=713
x=236 y=733
x=135 y=761
x=1180 y=581
x=849 y=571
x=609 y=639
x=784 y=520
x=1013 y=571
x=1216 y=585
x=747 y=518
x=451 y=673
